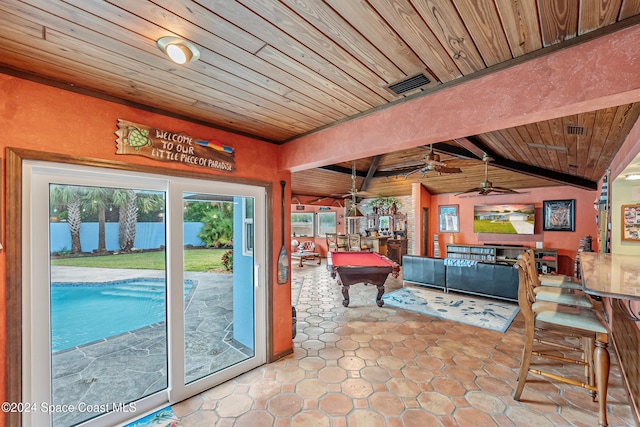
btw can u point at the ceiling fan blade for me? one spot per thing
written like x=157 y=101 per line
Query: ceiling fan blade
x=471 y=190
x=504 y=190
x=412 y=172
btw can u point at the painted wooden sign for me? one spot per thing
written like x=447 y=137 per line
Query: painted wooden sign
x=176 y=147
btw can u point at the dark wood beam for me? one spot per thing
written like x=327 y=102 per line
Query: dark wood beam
x=342 y=169
x=373 y=167
x=538 y=172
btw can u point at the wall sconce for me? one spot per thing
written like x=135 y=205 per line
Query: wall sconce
x=179 y=50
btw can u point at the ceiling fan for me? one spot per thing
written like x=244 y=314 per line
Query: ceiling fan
x=432 y=163
x=486 y=187
x=353 y=192
x=353 y=212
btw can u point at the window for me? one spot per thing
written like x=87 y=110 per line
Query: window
x=247 y=226
x=326 y=223
x=302 y=224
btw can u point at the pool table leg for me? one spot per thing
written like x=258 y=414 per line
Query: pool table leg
x=345 y=295
x=379 y=296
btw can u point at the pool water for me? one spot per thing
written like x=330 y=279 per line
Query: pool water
x=83 y=313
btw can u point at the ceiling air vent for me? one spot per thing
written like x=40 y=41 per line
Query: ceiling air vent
x=575 y=130
x=409 y=84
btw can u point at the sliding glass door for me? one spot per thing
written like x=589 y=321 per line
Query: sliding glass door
x=140 y=290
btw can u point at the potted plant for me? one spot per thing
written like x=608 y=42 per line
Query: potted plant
x=385 y=204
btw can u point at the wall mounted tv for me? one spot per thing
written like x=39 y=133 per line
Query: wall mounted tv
x=504 y=219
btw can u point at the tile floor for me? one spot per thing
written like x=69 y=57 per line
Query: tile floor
x=369 y=366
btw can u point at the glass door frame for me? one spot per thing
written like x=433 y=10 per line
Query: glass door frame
x=176 y=390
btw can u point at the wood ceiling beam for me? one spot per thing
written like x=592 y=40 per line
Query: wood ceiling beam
x=535 y=171
x=342 y=169
x=373 y=167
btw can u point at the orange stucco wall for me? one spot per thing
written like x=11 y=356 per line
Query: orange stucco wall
x=566 y=242
x=38 y=117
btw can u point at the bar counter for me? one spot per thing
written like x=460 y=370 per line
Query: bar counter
x=611 y=275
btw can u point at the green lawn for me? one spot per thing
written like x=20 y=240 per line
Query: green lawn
x=195 y=260
x=486 y=226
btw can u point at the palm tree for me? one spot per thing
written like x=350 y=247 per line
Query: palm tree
x=96 y=200
x=130 y=202
x=127 y=202
x=71 y=197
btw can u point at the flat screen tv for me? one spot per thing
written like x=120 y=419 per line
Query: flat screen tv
x=504 y=219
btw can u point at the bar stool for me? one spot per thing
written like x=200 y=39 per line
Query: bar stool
x=334 y=242
x=568 y=321
x=567 y=295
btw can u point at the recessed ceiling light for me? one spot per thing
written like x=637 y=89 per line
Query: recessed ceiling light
x=179 y=50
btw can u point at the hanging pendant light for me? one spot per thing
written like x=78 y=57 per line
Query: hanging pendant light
x=354 y=212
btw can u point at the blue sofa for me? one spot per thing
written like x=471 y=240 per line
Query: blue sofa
x=489 y=280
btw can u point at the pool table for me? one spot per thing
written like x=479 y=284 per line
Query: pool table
x=361 y=267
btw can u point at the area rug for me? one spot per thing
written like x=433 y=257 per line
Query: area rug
x=165 y=417
x=470 y=310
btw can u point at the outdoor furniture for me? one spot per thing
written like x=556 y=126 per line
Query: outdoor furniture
x=306 y=251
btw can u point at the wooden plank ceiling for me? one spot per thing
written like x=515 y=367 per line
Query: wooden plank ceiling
x=276 y=70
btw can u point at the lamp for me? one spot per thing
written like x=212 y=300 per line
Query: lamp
x=354 y=212
x=179 y=50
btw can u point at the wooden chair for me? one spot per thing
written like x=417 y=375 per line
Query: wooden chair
x=567 y=295
x=354 y=243
x=568 y=321
x=555 y=280
x=335 y=243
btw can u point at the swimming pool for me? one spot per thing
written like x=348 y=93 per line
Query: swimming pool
x=87 y=312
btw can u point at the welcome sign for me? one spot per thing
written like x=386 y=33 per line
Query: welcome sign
x=175 y=147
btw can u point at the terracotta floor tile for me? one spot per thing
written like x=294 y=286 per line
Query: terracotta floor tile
x=403 y=387
x=357 y=388
x=475 y=417
x=254 y=418
x=265 y=388
x=418 y=418
x=285 y=404
x=485 y=402
x=336 y=404
x=387 y=404
x=234 y=406
x=365 y=417
x=448 y=386
x=311 y=418
x=369 y=366
x=332 y=374
x=436 y=403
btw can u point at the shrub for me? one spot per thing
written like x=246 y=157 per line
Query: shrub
x=227 y=260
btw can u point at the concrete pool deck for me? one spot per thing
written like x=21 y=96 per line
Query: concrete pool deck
x=130 y=365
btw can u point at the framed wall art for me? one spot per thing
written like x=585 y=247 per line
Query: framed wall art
x=631 y=223
x=448 y=220
x=558 y=215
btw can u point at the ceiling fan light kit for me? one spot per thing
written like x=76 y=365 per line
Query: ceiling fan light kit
x=432 y=163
